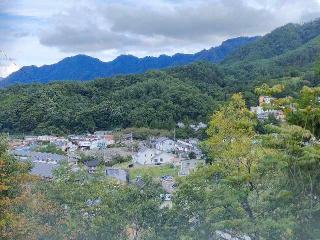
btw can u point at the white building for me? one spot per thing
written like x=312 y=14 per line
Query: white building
x=84 y=145
x=264 y=114
x=46 y=138
x=148 y=156
x=164 y=144
x=98 y=144
x=197 y=127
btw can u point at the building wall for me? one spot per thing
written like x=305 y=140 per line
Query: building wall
x=163 y=158
x=166 y=145
x=144 y=157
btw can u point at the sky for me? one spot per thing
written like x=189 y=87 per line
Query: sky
x=38 y=32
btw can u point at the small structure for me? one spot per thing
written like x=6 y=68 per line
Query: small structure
x=84 y=145
x=263 y=114
x=139 y=182
x=92 y=165
x=43 y=170
x=197 y=127
x=118 y=173
x=99 y=144
x=265 y=100
x=164 y=144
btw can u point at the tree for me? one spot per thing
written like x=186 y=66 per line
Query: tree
x=13 y=175
x=265 y=89
x=307 y=112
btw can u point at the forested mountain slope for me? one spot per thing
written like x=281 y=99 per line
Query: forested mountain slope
x=154 y=99
x=159 y=99
x=278 y=42
x=82 y=67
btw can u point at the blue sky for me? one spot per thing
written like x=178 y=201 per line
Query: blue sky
x=37 y=32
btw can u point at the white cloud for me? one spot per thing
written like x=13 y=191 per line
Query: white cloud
x=128 y=25
x=39 y=32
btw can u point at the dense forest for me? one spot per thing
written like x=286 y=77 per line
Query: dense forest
x=160 y=99
x=262 y=183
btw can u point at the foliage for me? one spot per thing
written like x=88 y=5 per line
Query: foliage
x=307 y=110
x=263 y=185
x=118 y=160
x=50 y=148
x=12 y=175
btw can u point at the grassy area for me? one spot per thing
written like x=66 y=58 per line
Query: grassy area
x=50 y=148
x=155 y=171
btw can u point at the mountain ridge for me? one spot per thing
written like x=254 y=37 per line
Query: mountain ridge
x=82 y=67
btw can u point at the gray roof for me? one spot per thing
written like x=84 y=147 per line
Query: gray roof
x=161 y=139
x=39 y=156
x=43 y=169
x=43 y=163
x=92 y=163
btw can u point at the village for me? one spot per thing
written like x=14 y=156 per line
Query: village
x=123 y=157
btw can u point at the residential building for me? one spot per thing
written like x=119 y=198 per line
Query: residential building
x=43 y=163
x=92 y=165
x=164 y=144
x=118 y=173
x=98 y=144
x=197 y=127
x=265 y=100
x=264 y=114
x=148 y=156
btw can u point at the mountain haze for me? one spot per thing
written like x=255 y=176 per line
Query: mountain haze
x=82 y=67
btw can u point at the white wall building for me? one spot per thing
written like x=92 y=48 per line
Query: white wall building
x=148 y=156
x=164 y=144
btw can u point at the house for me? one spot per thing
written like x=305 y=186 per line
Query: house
x=118 y=173
x=264 y=114
x=109 y=139
x=102 y=133
x=92 y=165
x=43 y=170
x=43 y=164
x=265 y=100
x=46 y=138
x=197 y=127
x=98 y=144
x=148 y=156
x=84 y=145
x=184 y=148
x=31 y=138
x=164 y=144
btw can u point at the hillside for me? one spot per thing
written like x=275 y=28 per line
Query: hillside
x=278 y=42
x=155 y=99
x=160 y=99
x=82 y=67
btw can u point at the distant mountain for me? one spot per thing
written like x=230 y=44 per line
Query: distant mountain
x=82 y=67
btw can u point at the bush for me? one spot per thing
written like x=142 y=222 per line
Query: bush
x=118 y=159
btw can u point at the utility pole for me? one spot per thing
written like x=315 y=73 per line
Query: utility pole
x=131 y=140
